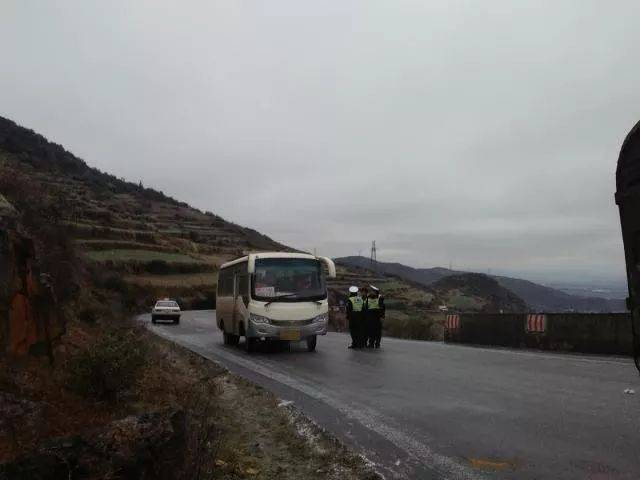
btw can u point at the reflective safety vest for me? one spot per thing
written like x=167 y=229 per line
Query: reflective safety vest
x=373 y=303
x=356 y=303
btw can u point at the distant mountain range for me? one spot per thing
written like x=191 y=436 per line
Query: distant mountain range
x=537 y=297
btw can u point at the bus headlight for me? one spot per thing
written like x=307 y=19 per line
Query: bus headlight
x=258 y=319
x=322 y=318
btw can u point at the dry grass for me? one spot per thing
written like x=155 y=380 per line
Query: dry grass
x=106 y=244
x=422 y=327
x=236 y=430
x=125 y=255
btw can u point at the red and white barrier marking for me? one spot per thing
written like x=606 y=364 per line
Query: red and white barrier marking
x=536 y=323
x=452 y=322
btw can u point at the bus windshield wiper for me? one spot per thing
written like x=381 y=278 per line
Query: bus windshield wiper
x=275 y=299
x=310 y=298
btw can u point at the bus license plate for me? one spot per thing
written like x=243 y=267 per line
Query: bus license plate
x=293 y=335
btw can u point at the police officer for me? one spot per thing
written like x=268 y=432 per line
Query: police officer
x=355 y=313
x=375 y=312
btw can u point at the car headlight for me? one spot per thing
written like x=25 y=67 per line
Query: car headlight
x=258 y=318
x=322 y=318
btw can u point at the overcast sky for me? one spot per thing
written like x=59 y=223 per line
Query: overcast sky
x=483 y=133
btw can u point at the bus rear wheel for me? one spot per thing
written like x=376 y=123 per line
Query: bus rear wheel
x=311 y=343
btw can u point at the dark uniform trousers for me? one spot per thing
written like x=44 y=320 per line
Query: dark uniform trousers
x=356 y=317
x=374 y=312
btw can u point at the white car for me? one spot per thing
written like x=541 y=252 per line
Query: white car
x=165 y=310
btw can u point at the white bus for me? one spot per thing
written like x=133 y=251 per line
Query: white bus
x=273 y=296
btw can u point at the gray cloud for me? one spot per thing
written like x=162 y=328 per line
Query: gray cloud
x=480 y=133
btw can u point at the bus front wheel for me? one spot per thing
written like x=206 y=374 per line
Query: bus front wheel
x=231 y=339
x=250 y=344
x=311 y=343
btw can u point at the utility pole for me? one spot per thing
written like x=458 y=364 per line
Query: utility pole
x=374 y=258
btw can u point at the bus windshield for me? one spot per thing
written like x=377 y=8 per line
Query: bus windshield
x=288 y=280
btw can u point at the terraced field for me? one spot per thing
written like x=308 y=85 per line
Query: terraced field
x=179 y=280
x=162 y=247
x=146 y=255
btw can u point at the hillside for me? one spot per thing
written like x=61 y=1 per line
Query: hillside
x=156 y=244
x=477 y=292
x=537 y=297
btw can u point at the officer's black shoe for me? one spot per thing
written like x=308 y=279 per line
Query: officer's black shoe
x=377 y=345
x=370 y=345
x=351 y=346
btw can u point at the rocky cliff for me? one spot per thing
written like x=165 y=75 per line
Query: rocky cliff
x=29 y=320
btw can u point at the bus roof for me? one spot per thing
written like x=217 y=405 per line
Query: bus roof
x=254 y=256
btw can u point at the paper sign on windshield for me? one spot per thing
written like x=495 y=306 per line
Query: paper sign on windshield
x=265 y=291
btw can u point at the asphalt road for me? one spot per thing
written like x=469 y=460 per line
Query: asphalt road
x=430 y=410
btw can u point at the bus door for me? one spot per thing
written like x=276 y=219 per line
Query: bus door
x=240 y=297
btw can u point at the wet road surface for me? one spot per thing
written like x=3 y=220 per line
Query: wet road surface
x=430 y=410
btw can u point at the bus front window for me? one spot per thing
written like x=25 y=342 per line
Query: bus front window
x=288 y=279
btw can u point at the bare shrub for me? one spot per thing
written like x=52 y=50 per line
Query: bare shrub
x=203 y=436
x=108 y=367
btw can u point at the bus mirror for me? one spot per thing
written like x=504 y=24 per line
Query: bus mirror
x=330 y=266
x=251 y=265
